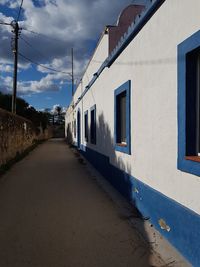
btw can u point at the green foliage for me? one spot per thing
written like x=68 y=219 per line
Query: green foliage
x=25 y=110
x=5 y=101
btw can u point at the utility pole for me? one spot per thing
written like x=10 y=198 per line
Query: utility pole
x=72 y=51
x=15 y=30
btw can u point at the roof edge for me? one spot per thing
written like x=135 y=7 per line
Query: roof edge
x=136 y=26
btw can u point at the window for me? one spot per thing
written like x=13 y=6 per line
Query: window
x=122 y=118
x=93 y=125
x=189 y=105
x=192 y=104
x=74 y=128
x=86 y=125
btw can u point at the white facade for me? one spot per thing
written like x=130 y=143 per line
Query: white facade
x=150 y=63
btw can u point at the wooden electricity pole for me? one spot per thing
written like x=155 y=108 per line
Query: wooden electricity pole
x=72 y=52
x=15 y=26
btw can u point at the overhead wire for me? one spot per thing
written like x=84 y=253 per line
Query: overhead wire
x=42 y=55
x=34 y=32
x=20 y=9
x=42 y=66
x=42 y=34
x=36 y=50
x=30 y=45
x=5 y=23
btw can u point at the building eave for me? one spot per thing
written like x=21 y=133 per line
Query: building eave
x=136 y=26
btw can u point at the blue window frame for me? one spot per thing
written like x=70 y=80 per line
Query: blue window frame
x=189 y=105
x=93 y=125
x=122 y=118
x=75 y=128
x=86 y=125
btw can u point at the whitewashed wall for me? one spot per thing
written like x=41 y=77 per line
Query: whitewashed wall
x=150 y=62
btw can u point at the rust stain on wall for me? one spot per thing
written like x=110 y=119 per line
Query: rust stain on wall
x=163 y=225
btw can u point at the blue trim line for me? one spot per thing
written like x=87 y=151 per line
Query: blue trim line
x=133 y=30
x=123 y=88
x=189 y=45
x=184 y=231
x=82 y=147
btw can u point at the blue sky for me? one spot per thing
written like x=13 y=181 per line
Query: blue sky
x=50 y=28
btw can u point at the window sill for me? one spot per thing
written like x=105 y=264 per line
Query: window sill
x=121 y=144
x=193 y=158
x=124 y=148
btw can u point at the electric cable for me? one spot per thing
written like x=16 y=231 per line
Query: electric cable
x=30 y=45
x=42 y=66
x=20 y=9
x=42 y=34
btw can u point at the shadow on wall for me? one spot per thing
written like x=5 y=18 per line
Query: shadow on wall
x=106 y=144
x=69 y=137
x=116 y=171
x=116 y=167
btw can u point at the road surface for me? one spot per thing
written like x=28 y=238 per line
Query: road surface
x=53 y=213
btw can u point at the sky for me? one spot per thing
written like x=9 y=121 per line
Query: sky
x=50 y=29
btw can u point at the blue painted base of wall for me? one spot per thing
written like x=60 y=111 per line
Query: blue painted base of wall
x=184 y=224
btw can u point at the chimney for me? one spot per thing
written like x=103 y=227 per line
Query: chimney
x=125 y=19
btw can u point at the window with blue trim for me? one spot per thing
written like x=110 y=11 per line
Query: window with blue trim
x=122 y=118
x=75 y=128
x=192 y=104
x=86 y=125
x=189 y=105
x=93 y=125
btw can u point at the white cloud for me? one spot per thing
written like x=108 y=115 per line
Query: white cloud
x=13 y=4
x=66 y=24
x=6 y=68
x=54 y=108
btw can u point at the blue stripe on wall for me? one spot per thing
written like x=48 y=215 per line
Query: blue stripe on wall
x=184 y=224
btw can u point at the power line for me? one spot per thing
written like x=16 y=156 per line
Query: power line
x=20 y=8
x=30 y=45
x=5 y=23
x=42 y=66
x=42 y=34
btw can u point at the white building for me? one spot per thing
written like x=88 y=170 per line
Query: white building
x=136 y=115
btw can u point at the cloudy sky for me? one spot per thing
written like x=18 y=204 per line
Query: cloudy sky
x=50 y=28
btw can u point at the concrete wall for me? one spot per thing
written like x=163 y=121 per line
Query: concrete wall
x=16 y=135
x=150 y=62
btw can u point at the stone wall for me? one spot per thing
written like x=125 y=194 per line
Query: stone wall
x=16 y=135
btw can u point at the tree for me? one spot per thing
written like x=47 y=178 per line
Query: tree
x=25 y=110
x=57 y=114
